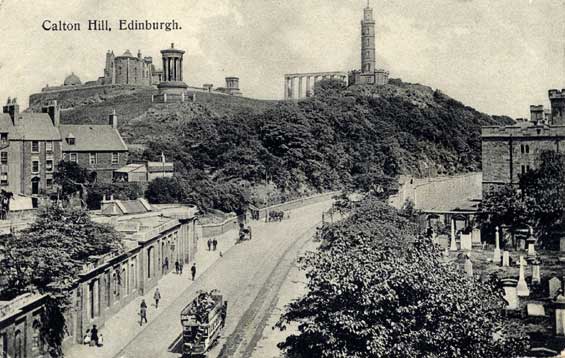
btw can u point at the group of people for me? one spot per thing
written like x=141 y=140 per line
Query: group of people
x=92 y=338
x=178 y=267
x=212 y=244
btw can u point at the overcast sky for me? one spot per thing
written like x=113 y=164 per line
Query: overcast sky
x=498 y=56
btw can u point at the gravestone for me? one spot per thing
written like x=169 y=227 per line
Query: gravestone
x=522 y=243
x=468 y=267
x=522 y=287
x=453 y=245
x=496 y=254
x=476 y=237
x=535 y=310
x=536 y=276
x=562 y=244
x=554 y=286
x=560 y=315
x=511 y=296
x=505 y=258
x=466 y=243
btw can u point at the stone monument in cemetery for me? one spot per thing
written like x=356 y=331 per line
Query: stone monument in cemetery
x=536 y=276
x=453 y=245
x=505 y=258
x=511 y=297
x=468 y=266
x=531 y=242
x=466 y=242
x=522 y=287
x=496 y=255
x=554 y=287
x=559 y=305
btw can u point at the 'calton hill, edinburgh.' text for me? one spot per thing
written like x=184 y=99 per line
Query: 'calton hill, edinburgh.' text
x=105 y=25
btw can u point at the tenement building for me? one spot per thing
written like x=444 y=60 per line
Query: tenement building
x=30 y=148
x=97 y=147
x=511 y=150
x=32 y=144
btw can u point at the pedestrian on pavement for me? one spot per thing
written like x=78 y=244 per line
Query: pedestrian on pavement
x=209 y=244
x=86 y=339
x=143 y=312
x=94 y=336
x=100 y=340
x=177 y=267
x=181 y=265
x=166 y=263
x=193 y=270
x=157 y=297
x=214 y=243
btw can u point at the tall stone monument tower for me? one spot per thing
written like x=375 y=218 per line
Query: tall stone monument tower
x=368 y=41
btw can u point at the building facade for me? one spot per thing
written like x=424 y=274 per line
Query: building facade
x=129 y=69
x=512 y=150
x=301 y=85
x=97 y=147
x=30 y=148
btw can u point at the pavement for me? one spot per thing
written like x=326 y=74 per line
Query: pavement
x=122 y=328
x=249 y=275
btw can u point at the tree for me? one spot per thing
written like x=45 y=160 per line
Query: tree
x=376 y=290
x=165 y=190
x=71 y=177
x=538 y=201
x=47 y=258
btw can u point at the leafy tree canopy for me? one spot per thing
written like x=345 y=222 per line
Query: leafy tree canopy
x=376 y=290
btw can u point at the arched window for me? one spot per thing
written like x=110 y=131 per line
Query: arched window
x=36 y=338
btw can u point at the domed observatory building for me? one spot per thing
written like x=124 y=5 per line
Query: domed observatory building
x=72 y=80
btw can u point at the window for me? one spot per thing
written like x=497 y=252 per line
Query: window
x=49 y=183
x=93 y=158
x=49 y=146
x=73 y=157
x=49 y=165
x=4 y=137
x=527 y=148
x=71 y=140
x=35 y=339
x=35 y=146
x=149 y=261
x=115 y=158
x=35 y=166
x=18 y=345
x=523 y=169
x=522 y=149
x=4 y=179
x=3 y=157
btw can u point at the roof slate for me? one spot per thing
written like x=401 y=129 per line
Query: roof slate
x=92 y=137
x=29 y=126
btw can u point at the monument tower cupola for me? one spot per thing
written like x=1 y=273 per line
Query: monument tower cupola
x=368 y=41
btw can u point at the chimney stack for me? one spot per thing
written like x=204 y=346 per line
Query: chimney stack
x=536 y=114
x=113 y=119
x=52 y=109
x=12 y=108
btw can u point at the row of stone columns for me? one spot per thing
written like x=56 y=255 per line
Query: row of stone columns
x=172 y=69
x=301 y=86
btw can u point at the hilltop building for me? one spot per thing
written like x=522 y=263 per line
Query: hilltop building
x=129 y=69
x=232 y=87
x=172 y=88
x=32 y=144
x=301 y=85
x=512 y=150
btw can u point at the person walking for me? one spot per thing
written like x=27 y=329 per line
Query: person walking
x=166 y=264
x=209 y=244
x=143 y=312
x=181 y=265
x=94 y=336
x=177 y=267
x=214 y=243
x=157 y=297
x=193 y=271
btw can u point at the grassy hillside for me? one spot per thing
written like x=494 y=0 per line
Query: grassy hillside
x=357 y=136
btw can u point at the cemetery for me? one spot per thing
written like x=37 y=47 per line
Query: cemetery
x=532 y=279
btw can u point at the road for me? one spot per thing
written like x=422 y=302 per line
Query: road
x=250 y=276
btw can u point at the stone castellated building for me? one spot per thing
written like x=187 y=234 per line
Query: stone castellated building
x=368 y=74
x=128 y=69
x=512 y=150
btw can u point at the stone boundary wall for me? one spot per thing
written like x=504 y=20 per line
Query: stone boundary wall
x=210 y=230
x=430 y=193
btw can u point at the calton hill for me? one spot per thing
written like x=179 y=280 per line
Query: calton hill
x=380 y=284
